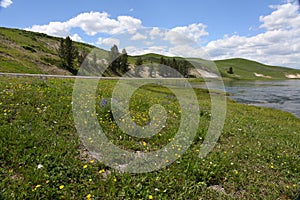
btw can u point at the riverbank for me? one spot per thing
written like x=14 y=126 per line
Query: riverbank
x=256 y=157
x=280 y=94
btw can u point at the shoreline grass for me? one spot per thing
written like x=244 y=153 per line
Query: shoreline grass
x=257 y=155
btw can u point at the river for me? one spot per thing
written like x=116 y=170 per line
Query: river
x=283 y=95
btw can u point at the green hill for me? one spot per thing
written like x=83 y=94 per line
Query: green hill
x=29 y=52
x=247 y=69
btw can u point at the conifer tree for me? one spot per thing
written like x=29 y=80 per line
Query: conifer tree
x=68 y=53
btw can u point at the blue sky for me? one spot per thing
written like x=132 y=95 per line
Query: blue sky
x=266 y=31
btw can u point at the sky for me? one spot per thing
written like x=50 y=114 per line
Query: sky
x=267 y=31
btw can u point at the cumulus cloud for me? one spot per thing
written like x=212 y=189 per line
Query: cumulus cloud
x=284 y=17
x=188 y=51
x=186 y=34
x=91 y=23
x=192 y=31
x=60 y=29
x=279 y=44
x=155 y=32
x=5 y=3
x=139 y=36
x=134 y=50
x=108 y=41
x=76 y=38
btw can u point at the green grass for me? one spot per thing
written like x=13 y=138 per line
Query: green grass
x=257 y=155
x=29 y=52
x=245 y=69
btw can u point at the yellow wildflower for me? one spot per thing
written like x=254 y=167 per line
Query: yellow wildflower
x=101 y=171
x=150 y=197
x=36 y=187
x=88 y=197
x=85 y=166
x=144 y=144
x=61 y=187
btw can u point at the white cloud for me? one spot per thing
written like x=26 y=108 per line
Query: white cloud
x=155 y=32
x=134 y=50
x=284 y=17
x=5 y=3
x=192 y=31
x=129 y=24
x=278 y=45
x=188 y=51
x=60 y=29
x=184 y=35
x=76 y=38
x=138 y=36
x=176 y=38
x=108 y=41
x=91 y=23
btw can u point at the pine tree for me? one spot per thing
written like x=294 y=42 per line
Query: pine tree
x=230 y=71
x=138 y=64
x=68 y=53
x=114 y=58
x=124 y=61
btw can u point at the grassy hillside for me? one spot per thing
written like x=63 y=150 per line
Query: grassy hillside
x=29 y=52
x=243 y=69
x=246 y=69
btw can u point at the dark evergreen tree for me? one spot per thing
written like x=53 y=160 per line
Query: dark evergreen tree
x=62 y=50
x=230 y=71
x=68 y=53
x=124 y=62
x=114 y=58
x=138 y=64
x=139 y=61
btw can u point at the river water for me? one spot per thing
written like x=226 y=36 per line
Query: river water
x=283 y=95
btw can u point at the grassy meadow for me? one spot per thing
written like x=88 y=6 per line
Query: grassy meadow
x=41 y=156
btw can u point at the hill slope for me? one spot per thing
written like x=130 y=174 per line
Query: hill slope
x=29 y=52
x=247 y=69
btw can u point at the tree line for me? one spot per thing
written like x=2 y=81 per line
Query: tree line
x=71 y=58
